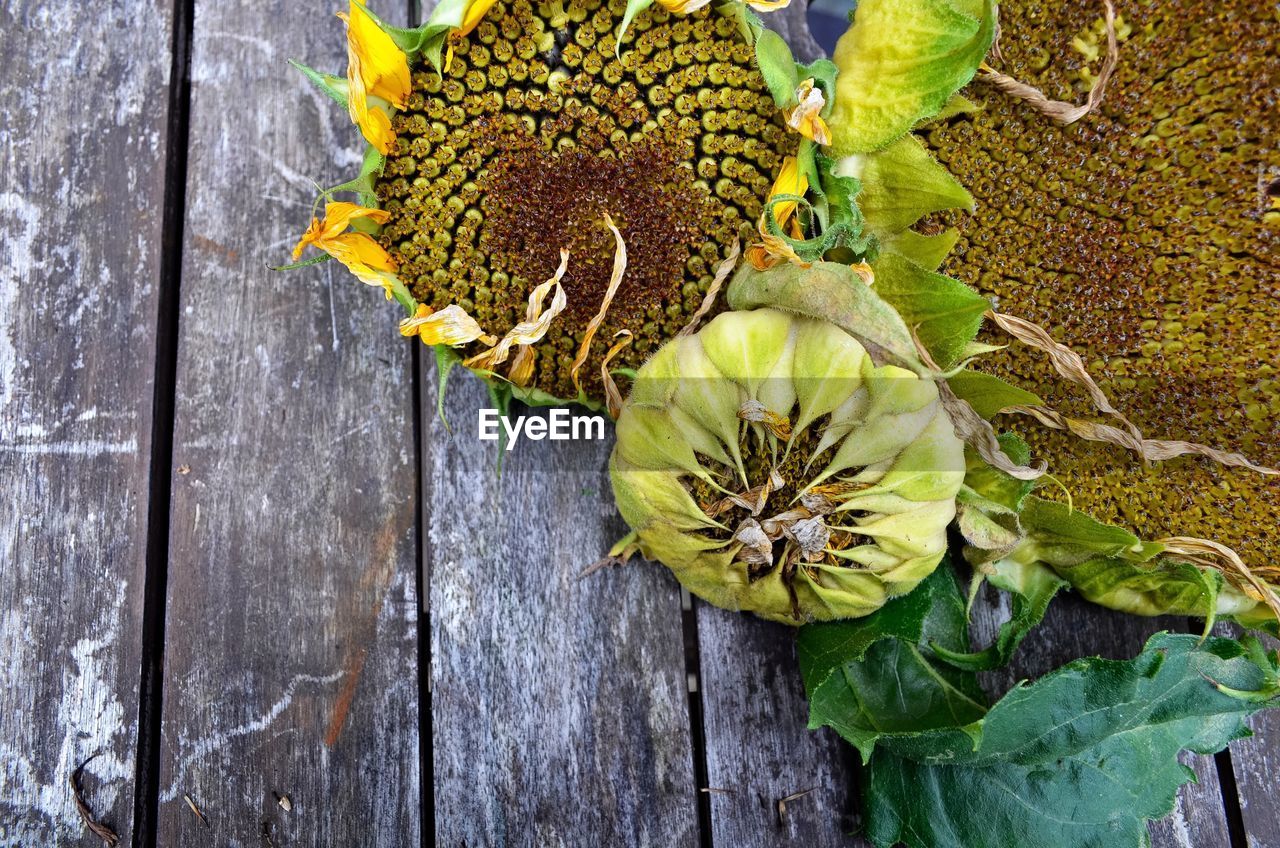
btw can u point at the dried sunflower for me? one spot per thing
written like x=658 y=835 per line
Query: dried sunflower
x=775 y=467
x=553 y=184
x=1145 y=235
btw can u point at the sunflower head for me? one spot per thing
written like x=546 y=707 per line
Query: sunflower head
x=774 y=467
x=1145 y=235
x=541 y=126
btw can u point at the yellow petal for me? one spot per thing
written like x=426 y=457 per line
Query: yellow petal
x=384 y=69
x=352 y=249
x=788 y=181
x=473 y=16
x=771 y=251
x=535 y=325
x=375 y=68
x=768 y=5
x=339 y=214
x=806 y=116
x=450 y=326
x=337 y=217
x=684 y=7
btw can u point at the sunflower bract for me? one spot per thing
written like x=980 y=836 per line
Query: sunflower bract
x=538 y=129
x=775 y=468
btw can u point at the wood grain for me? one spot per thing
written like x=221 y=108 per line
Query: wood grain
x=559 y=706
x=1075 y=628
x=81 y=206
x=291 y=642
x=1256 y=762
x=757 y=746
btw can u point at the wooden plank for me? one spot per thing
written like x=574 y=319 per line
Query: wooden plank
x=1255 y=763
x=559 y=705
x=291 y=638
x=757 y=745
x=1075 y=628
x=81 y=200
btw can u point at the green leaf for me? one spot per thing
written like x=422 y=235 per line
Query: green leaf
x=945 y=313
x=902 y=183
x=989 y=395
x=992 y=483
x=928 y=252
x=1081 y=758
x=776 y=64
x=828 y=291
x=1067 y=536
x=900 y=62
x=872 y=677
x=334 y=87
x=1032 y=589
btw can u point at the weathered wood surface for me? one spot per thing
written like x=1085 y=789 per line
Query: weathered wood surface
x=291 y=637
x=1255 y=763
x=81 y=201
x=559 y=705
x=1074 y=628
x=758 y=749
x=560 y=710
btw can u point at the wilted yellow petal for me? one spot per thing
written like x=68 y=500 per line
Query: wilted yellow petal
x=773 y=248
x=337 y=217
x=360 y=253
x=383 y=66
x=788 y=181
x=376 y=68
x=806 y=116
x=535 y=325
x=450 y=326
x=619 y=269
x=771 y=251
x=613 y=397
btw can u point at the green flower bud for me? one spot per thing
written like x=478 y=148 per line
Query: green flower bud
x=773 y=466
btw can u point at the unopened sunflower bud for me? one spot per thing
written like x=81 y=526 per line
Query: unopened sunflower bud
x=824 y=518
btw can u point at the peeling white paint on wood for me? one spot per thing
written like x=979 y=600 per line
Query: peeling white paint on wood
x=83 y=100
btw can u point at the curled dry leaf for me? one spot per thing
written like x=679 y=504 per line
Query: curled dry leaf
x=755 y=412
x=619 y=268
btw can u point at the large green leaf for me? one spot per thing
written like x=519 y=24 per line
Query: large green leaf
x=828 y=291
x=1083 y=757
x=900 y=62
x=1031 y=589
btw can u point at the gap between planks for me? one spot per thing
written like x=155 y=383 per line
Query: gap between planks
x=155 y=591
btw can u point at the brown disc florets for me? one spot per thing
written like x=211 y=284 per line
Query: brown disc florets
x=1145 y=234
x=537 y=129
